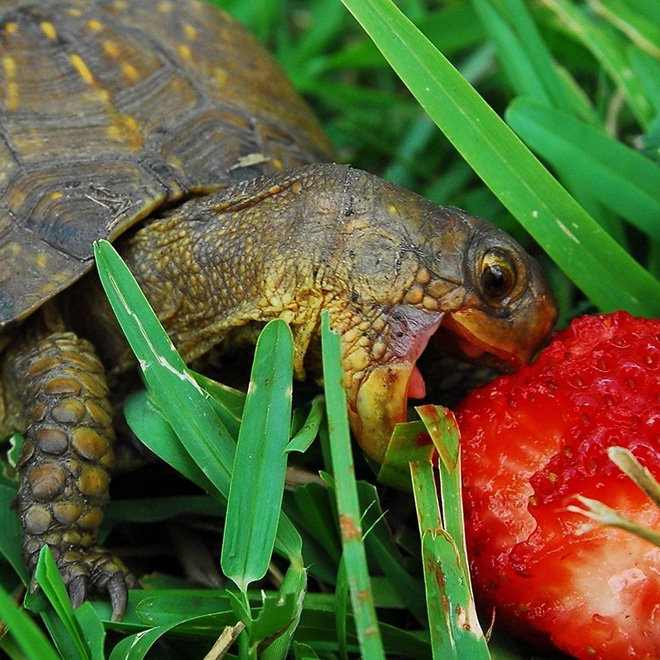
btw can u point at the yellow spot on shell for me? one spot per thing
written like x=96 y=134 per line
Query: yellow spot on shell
x=9 y=66
x=49 y=30
x=42 y=260
x=74 y=12
x=14 y=248
x=184 y=51
x=113 y=132
x=56 y=194
x=129 y=71
x=392 y=209
x=130 y=122
x=82 y=69
x=94 y=25
x=220 y=76
x=175 y=162
x=120 y=4
x=277 y=164
x=12 y=95
x=189 y=31
x=164 y=7
x=11 y=27
x=296 y=187
x=111 y=48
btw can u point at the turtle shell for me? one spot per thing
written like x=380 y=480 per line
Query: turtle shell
x=111 y=109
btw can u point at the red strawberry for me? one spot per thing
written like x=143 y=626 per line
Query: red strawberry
x=531 y=442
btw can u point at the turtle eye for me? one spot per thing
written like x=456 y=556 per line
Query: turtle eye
x=498 y=275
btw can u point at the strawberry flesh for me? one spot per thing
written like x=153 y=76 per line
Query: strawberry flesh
x=533 y=440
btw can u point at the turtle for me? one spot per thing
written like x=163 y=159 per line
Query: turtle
x=166 y=128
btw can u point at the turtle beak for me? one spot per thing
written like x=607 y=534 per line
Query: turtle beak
x=497 y=342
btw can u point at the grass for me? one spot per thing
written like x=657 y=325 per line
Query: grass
x=583 y=75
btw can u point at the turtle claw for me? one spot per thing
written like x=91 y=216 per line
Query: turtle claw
x=95 y=570
x=78 y=591
x=117 y=588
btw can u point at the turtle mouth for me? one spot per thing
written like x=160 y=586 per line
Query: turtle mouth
x=382 y=398
x=455 y=338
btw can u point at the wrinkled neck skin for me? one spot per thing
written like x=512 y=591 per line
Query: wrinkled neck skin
x=386 y=263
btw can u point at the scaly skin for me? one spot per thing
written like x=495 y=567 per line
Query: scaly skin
x=59 y=391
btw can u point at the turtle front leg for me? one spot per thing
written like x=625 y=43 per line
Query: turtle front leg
x=61 y=396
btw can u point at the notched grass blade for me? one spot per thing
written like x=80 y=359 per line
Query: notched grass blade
x=455 y=630
x=410 y=441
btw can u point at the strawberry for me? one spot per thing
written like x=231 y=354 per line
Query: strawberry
x=531 y=442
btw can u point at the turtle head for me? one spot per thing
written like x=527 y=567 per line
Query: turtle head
x=444 y=279
x=505 y=309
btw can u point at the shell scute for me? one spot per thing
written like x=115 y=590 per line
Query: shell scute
x=111 y=109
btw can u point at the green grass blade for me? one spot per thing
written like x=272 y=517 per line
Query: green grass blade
x=173 y=388
x=455 y=630
x=227 y=401
x=448 y=586
x=348 y=507
x=92 y=629
x=319 y=517
x=608 y=49
x=444 y=431
x=29 y=638
x=409 y=442
x=638 y=28
x=146 y=420
x=48 y=576
x=517 y=66
x=149 y=510
x=136 y=647
x=520 y=44
x=647 y=70
x=380 y=545
x=303 y=439
x=620 y=178
x=11 y=534
x=591 y=258
x=255 y=496
x=294 y=585
x=304 y=652
x=342 y=594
